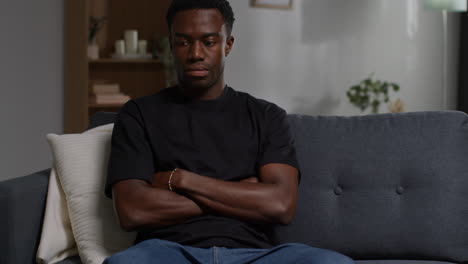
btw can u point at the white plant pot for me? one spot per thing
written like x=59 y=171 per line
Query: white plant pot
x=93 y=51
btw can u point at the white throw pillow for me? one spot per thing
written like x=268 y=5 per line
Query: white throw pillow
x=80 y=161
x=57 y=242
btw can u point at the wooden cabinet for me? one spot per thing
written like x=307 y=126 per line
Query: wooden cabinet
x=135 y=77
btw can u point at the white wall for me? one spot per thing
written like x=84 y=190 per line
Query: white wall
x=31 y=83
x=306 y=59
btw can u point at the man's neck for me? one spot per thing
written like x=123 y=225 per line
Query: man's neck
x=212 y=93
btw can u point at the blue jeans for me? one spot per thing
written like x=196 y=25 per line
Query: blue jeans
x=160 y=251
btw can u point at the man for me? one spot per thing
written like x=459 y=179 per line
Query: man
x=202 y=171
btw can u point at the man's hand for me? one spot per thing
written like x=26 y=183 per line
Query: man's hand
x=250 y=179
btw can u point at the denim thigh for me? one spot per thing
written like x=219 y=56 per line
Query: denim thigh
x=156 y=251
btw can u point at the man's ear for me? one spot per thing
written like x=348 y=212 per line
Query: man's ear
x=229 y=44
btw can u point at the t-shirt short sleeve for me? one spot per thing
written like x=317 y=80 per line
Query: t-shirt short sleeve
x=278 y=143
x=130 y=156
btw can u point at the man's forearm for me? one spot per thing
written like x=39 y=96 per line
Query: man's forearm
x=246 y=200
x=140 y=205
x=246 y=213
x=169 y=208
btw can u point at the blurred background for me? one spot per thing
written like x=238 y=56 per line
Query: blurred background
x=304 y=58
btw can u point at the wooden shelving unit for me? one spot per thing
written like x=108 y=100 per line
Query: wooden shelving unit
x=136 y=77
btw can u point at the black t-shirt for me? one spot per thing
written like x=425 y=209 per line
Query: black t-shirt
x=228 y=138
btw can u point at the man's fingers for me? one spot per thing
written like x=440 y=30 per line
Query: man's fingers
x=250 y=179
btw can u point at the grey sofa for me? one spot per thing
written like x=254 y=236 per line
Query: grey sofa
x=383 y=189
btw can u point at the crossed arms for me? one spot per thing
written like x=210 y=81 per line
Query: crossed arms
x=270 y=198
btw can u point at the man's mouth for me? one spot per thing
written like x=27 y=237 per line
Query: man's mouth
x=197 y=72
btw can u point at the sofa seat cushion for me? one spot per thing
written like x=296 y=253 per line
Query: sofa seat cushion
x=71 y=260
x=401 y=262
x=389 y=186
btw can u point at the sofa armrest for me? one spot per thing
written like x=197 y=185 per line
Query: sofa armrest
x=22 y=203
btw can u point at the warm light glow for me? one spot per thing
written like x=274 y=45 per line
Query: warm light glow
x=447 y=5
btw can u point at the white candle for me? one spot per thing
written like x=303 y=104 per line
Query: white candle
x=131 y=41
x=142 y=45
x=120 y=47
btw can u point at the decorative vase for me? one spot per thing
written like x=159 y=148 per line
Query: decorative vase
x=93 y=51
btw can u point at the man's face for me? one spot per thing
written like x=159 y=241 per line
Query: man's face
x=200 y=44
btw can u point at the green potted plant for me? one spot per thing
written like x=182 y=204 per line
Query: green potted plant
x=372 y=93
x=95 y=24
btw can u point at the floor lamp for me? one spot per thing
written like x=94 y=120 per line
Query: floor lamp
x=445 y=6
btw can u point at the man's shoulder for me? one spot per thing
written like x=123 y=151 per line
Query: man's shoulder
x=266 y=109
x=259 y=104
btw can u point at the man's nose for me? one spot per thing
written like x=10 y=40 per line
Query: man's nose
x=196 y=52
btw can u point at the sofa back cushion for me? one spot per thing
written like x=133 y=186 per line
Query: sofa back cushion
x=391 y=186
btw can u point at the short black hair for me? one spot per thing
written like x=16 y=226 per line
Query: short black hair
x=222 y=5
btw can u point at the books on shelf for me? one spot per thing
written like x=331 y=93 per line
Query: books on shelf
x=110 y=98
x=112 y=88
x=107 y=93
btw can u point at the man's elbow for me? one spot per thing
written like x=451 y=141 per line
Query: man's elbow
x=131 y=216
x=129 y=221
x=286 y=217
x=136 y=219
x=128 y=226
x=284 y=212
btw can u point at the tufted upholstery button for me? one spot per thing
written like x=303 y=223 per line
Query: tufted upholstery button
x=338 y=190
x=400 y=190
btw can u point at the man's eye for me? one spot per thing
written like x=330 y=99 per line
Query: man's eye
x=210 y=43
